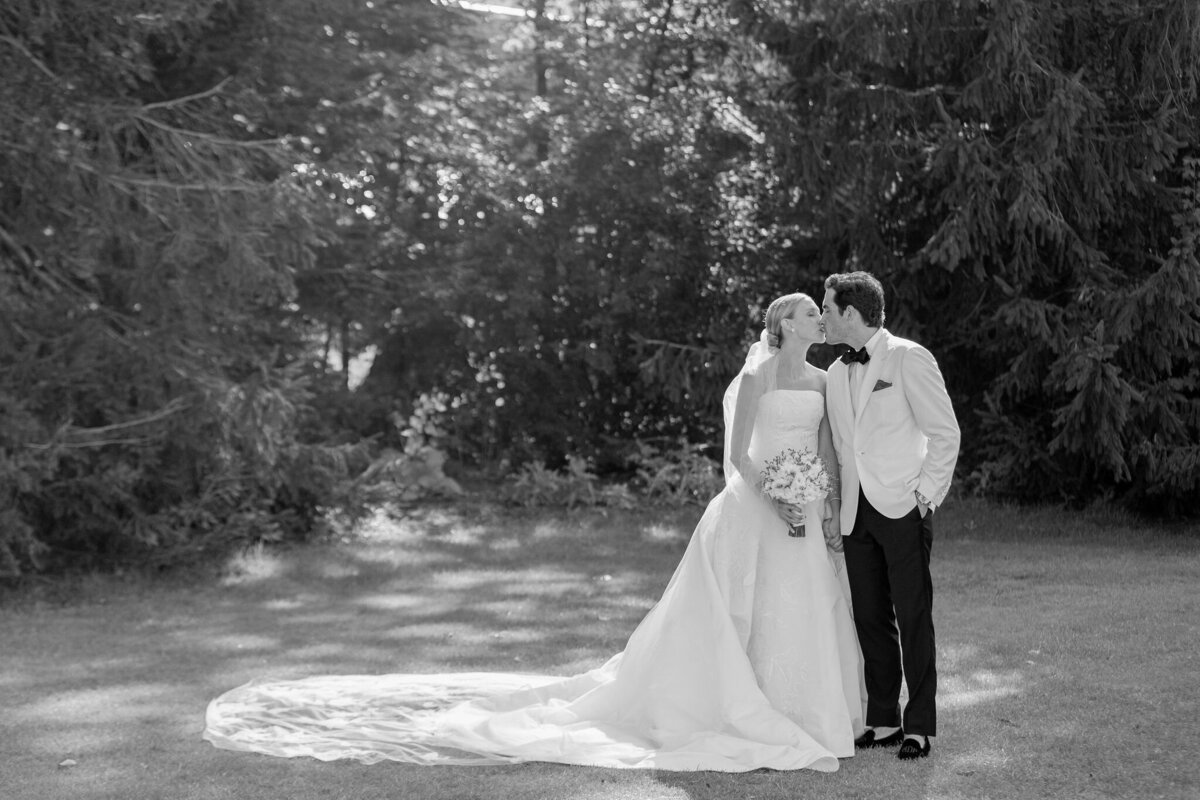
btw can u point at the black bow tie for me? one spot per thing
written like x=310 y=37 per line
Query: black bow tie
x=860 y=356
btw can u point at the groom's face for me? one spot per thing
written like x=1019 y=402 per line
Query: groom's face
x=834 y=320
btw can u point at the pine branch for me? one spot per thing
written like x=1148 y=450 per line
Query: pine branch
x=164 y=184
x=179 y=101
x=255 y=144
x=80 y=434
x=37 y=62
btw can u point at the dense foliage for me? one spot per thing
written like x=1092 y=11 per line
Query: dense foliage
x=597 y=248
x=554 y=233
x=152 y=233
x=1023 y=176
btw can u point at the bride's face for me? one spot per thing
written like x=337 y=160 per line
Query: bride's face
x=805 y=323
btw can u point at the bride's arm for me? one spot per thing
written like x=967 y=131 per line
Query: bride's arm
x=744 y=412
x=831 y=523
x=749 y=391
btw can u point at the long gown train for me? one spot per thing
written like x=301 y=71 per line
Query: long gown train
x=748 y=660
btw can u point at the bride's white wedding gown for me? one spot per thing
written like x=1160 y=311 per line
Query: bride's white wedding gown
x=749 y=660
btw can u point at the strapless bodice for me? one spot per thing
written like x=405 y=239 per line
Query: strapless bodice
x=786 y=418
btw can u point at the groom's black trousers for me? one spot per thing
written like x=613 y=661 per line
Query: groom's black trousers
x=887 y=561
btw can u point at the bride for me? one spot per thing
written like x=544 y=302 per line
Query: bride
x=748 y=660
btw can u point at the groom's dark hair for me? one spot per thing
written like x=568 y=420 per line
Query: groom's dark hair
x=861 y=290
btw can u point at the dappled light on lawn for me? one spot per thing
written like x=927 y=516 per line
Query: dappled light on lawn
x=463 y=534
x=665 y=533
x=962 y=683
x=284 y=604
x=118 y=681
x=81 y=707
x=87 y=725
x=331 y=652
x=656 y=791
x=545 y=582
x=959 y=691
x=336 y=571
x=253 y=564
x=244 y=641
x=400 y=601
x=956 y=655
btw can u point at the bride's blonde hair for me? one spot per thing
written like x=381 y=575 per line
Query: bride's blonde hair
x=781 y=308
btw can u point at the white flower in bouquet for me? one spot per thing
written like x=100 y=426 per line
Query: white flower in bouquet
x=796 y=478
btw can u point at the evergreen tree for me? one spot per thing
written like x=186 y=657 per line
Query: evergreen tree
x=153 y=227
x=1022 y=176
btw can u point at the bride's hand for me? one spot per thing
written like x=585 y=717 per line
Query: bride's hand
x=790 y=514
x=831 y=526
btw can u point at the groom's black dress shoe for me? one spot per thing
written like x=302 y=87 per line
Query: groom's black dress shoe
x=868 y=740
x=912 y=749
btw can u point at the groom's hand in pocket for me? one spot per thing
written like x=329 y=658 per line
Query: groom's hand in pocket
x=923 y=506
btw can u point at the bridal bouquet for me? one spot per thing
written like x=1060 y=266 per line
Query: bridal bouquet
x=796 y=478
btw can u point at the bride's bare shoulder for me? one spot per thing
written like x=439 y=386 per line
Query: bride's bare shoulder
x=760 y=369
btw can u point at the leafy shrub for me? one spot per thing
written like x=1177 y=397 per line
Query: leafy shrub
x=404 y=477
x=577 y=485
x=227 y=465
x=22 y=468
x=418 y=470
x=678 y=475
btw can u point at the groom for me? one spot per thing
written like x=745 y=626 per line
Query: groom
x=896 y=437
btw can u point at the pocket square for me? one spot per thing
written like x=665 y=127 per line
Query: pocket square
x=880 y=385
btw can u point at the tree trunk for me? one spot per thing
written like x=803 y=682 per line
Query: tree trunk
x=541 y=136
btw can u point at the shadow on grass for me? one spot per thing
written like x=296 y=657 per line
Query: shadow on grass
x=106 y=679
x=1055 y=635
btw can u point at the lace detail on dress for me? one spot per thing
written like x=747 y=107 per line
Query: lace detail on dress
x=787 y=418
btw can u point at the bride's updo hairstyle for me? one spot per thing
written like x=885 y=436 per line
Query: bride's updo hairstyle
x=780 y=309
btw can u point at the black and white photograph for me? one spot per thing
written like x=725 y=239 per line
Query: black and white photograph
x=599 y=399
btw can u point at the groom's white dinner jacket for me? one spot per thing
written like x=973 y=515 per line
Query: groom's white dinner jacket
x=899 y=436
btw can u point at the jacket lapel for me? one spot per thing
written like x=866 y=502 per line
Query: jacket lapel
x=839 y=396
x=874 y=368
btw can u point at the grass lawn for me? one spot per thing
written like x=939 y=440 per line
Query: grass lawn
x=1069 y=656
